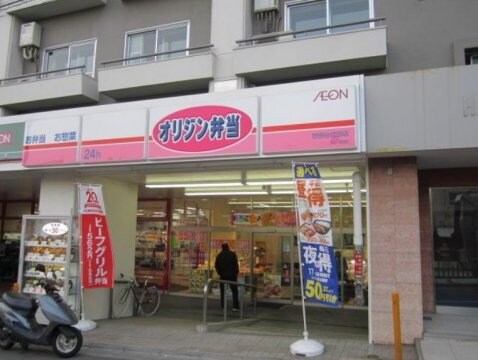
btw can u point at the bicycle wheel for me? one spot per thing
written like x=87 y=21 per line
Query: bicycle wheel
x=122 y=301
x=149 y=301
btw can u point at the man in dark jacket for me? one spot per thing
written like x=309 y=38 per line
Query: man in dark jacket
x=227 y=267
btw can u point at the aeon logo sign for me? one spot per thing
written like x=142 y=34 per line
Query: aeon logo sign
x=331 y=95
x=5 y=138
x=202 y=128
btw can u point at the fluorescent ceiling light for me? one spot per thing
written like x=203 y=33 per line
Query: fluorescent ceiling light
x=343 y=191
x=336 y=181
x=262 y=202
x=270 y=182
x=282 y=192
x=233 y=193
x=183 y=185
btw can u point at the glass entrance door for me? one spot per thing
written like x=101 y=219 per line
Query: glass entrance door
x=275 y=261
x=152 y=242
x=455 y=245
x=267 y=260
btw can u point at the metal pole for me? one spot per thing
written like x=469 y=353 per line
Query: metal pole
x=204 y=306
x=306 y=333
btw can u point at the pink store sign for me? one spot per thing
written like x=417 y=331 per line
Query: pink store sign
x=121 y=136
x=205 y=130
x=52 y=141
x=324 y=119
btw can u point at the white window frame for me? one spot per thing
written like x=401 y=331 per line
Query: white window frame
x=292 y=3
x=157 y=29
x=69 y=46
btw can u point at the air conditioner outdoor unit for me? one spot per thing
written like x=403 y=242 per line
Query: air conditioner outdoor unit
x=30 y=35
x=266 y=5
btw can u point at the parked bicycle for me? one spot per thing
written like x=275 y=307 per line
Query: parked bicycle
x=146 y=297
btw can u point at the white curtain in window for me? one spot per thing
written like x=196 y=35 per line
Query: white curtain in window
x=303 y=16
x=57 y=59
x=141 y=44
x=82 y=55
x=348 y=11
x=321 y=13
x=171 y=39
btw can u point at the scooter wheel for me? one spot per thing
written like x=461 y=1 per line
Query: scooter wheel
x=6 y=341
x=67 y=346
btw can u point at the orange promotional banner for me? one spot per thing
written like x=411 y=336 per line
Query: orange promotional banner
x=96 y=248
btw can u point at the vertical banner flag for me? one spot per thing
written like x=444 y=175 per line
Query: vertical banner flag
x=319 y=268
x=96 y=249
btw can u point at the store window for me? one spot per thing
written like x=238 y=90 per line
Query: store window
x=152 y=241
x=60 y=60
x=157 y=40
x=303 y=15
x=262 y=231
x=455 y=246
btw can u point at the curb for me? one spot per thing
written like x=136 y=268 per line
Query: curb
x=141 y=353
x=418 y=348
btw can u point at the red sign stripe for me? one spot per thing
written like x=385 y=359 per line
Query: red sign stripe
x=50 y=146
x=308 y=126
x=113 y=141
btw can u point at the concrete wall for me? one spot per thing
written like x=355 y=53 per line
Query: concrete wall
x=225 y=30
x=422 y=110
x=58 y=197
x=425 y=34
x=394 y=249
x=421 y=33
x=108 y=24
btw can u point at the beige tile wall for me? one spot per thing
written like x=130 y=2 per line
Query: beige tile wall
x=395 y=259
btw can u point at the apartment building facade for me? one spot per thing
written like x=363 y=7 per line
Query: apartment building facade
x=382 y=94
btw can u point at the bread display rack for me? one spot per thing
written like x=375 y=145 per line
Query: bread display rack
x=49 y=252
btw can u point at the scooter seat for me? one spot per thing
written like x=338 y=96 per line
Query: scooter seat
x=18 y=301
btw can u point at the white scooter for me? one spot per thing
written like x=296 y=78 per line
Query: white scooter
x=18 y=322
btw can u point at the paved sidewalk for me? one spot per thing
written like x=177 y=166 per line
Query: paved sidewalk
x=162 y=337
x=172 y=334
x=450 y=335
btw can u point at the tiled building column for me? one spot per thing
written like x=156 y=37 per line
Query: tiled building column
x=394 y=248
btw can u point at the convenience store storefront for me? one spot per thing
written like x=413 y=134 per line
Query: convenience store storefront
x=260 y=228
x=208 y=169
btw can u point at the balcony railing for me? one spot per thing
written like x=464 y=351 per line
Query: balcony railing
x=157 y=56
x=43 y=75
x=294 y=34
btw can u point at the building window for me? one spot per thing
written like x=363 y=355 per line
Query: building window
x=157 y=40
x=62 y=59
x=303 y=15
x=471 y=56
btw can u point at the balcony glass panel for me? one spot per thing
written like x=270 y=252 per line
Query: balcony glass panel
x=82 y=55
x=56 y=59
x=172 y=39
x=61 y=59
x=322 y=13
x=162 y=39
x=141 y=44
x=305 y=16
x=349 y=11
